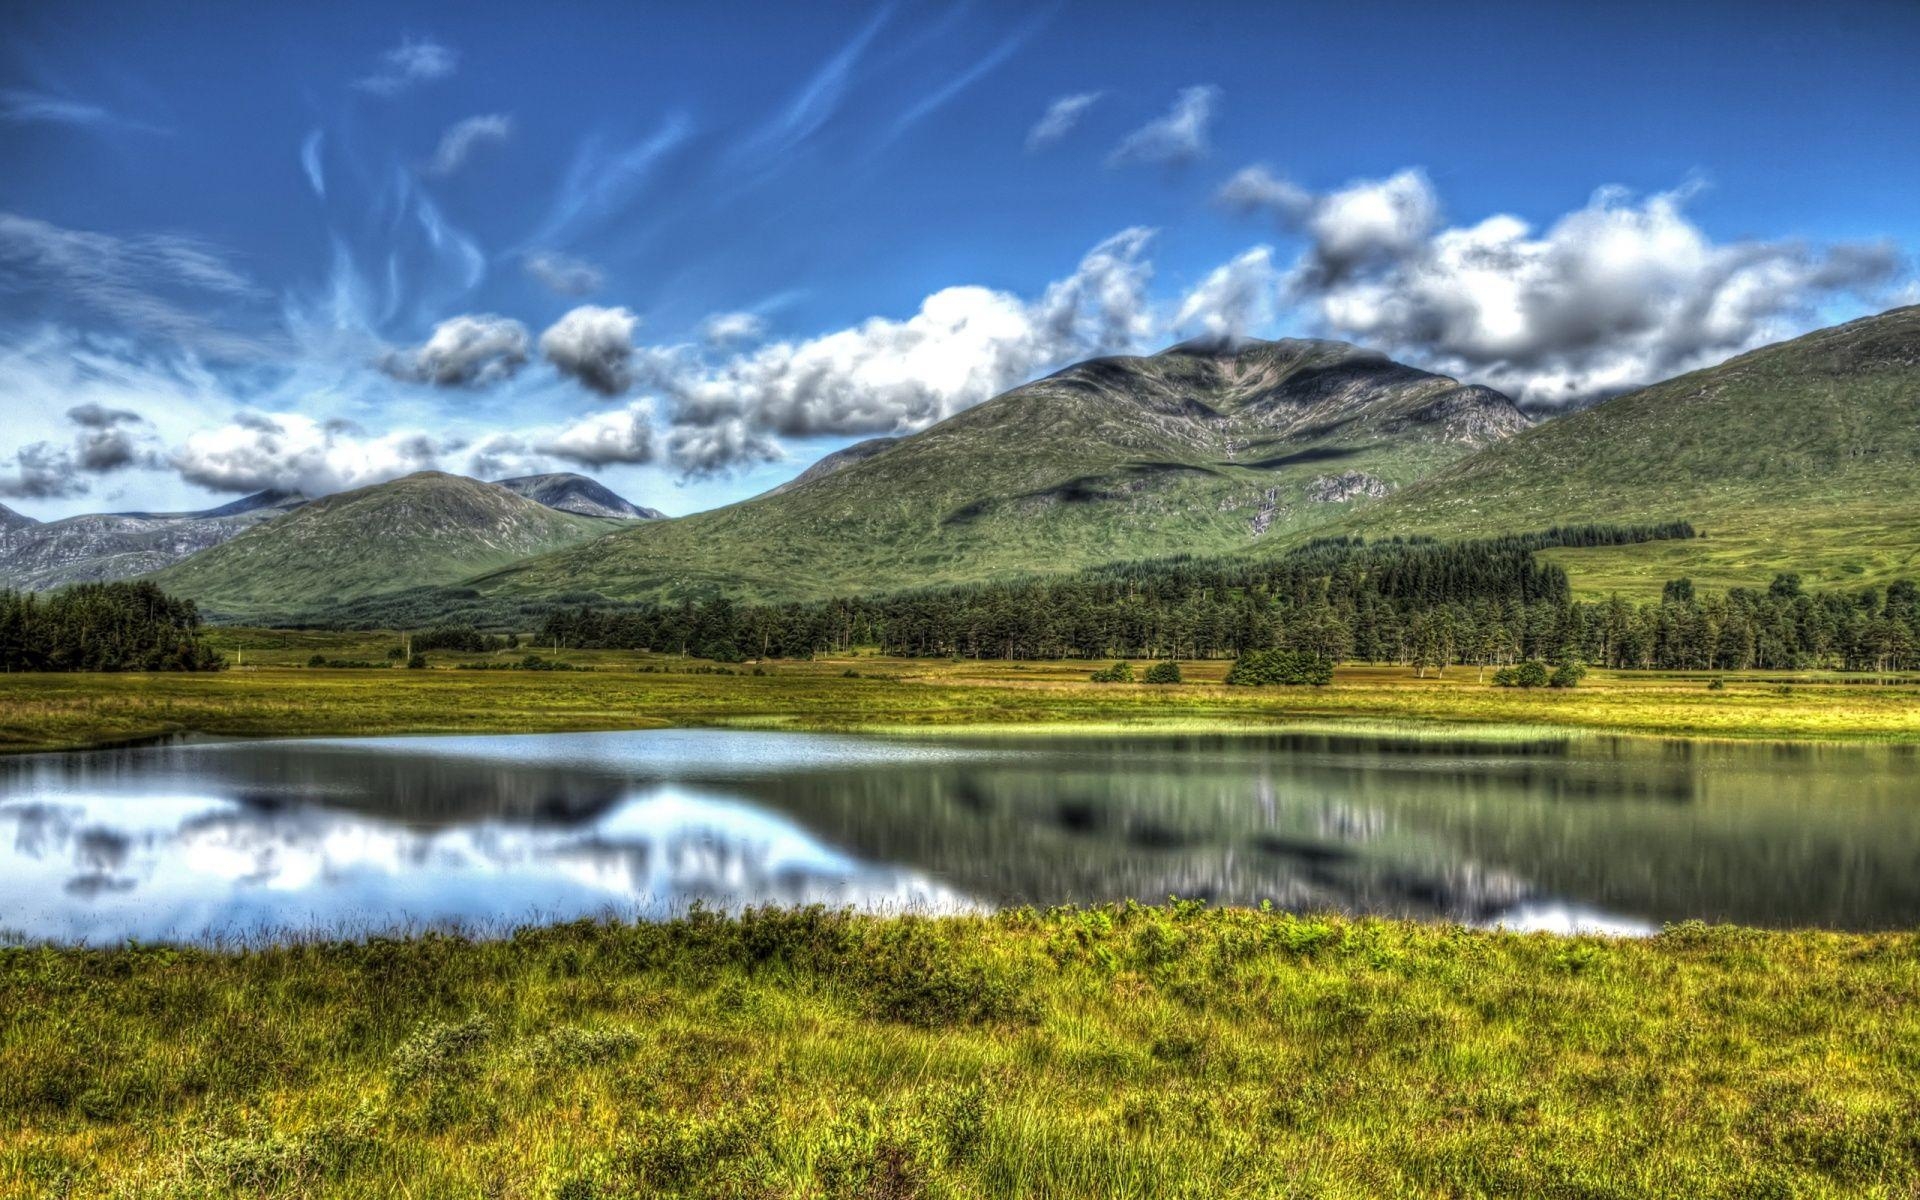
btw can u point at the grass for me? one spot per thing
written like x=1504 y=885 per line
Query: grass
x=1098 y=1053
x=271 y=697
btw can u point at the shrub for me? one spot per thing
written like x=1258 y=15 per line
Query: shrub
x=1289 y=668
x=1526 y=675
x=1567 y=675
x=1164 y=672
x=417 y=663
x=1120 y=672
x=1718 y=685
x=318 y=660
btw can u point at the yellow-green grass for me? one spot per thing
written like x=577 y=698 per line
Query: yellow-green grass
x=639 y=691
x=1107 y=1053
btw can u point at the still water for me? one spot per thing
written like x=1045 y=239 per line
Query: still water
x=253 y=840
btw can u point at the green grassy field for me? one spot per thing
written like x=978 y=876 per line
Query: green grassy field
x=270 y=697
x=1105 y=1053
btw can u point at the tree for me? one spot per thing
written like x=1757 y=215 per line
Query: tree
x=1164 y=671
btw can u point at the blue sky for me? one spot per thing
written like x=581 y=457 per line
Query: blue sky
x=687 y=249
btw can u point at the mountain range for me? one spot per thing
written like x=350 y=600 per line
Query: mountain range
x=1794 y=457
x=96 y=547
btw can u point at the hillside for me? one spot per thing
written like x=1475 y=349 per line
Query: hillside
x=10 y=520
x=577 y=494
x=1198 y=449
x=1800 y=456
x=424 y=530
x=97 y=547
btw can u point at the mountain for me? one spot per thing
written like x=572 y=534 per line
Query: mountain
x=10 y=519
x=839 y=460
x=423 y=530
x=104 y=546
x=1204 y=449
x=1800 y=456
x=577 y=494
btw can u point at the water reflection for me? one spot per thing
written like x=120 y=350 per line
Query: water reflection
x=357 y=835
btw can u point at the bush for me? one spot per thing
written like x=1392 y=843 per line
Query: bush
x=1718 y=685
x=1526 y=675
x=1289 y=668
x=417 y=663
x=720 y=652
x=1164 y=672
x=1567 y=675
x=1120 y=672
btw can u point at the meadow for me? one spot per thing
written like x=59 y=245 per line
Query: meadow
x=1119 y=1052
x=275 y=694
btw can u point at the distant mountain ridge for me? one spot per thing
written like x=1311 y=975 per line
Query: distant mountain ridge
x=573 y=493
x=97 y=547
x=1203 y=448
x=10 y=519
x=423 y=530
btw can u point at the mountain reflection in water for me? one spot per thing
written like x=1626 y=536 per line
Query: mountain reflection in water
x=254 y=839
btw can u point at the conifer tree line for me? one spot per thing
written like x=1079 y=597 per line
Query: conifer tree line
x=102 y=627
x=1417 y=602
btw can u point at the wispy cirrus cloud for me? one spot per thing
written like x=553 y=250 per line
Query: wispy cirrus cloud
x=24 y=107
x=564 y=274
x=1175 y=139
x=816 y=101
x=156 y=283
x=463 y=138
x=414 y=61
x=1060 y=119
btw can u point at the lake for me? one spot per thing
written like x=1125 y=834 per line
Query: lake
x=256 y=840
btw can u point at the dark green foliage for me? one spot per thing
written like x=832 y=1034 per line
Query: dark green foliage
x=1526 y=675
x=417 y=662
x=1567 y=675
x=1290 y=668
x=1165 y=671
x=454 y=637
x=102 y=627
x=1677 y=591
x=1120 y=672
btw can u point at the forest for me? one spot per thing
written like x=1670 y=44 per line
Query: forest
x=102 y=627
x=1418 y=602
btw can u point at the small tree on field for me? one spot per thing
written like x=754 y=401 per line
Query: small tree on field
x=1166 y=671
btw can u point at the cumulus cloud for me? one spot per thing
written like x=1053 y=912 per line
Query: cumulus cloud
x=564 y=275
x=294 y=452
x=731 y=328
x=413 y=61
x=41 y=471
x=720 y=447
x=595 y=346
x=465 y=351
x=1175 y=139
x=1060 y=119
x=964 y=345
x=462 y=138
x=110 y=439
x=624 y=436
x=1618 y=294
x=1235 y=298
x=156 y=284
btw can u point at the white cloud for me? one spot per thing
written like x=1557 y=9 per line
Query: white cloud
x=412 y=61
x=293 y=452
x=462 y=138
x=1235 y=298
x=563 y=274
x=464 y=351
x=1060 y=119
x=731 y=328
x=1615 y=295
x=595 y=346
x=621 y=436
x=21 y=107
x=1175 y=139
x=1257 y=189
x=964 y=345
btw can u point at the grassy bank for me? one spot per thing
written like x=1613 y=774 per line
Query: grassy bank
x=1123 y=1052
x=272 y=697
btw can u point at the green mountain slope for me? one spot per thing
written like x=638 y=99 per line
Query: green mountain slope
x=1201 y=450
x=1801 y=456
x=424 y=530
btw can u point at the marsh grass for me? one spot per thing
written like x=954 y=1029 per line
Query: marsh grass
x=1123 y=1051
x=628 y=690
